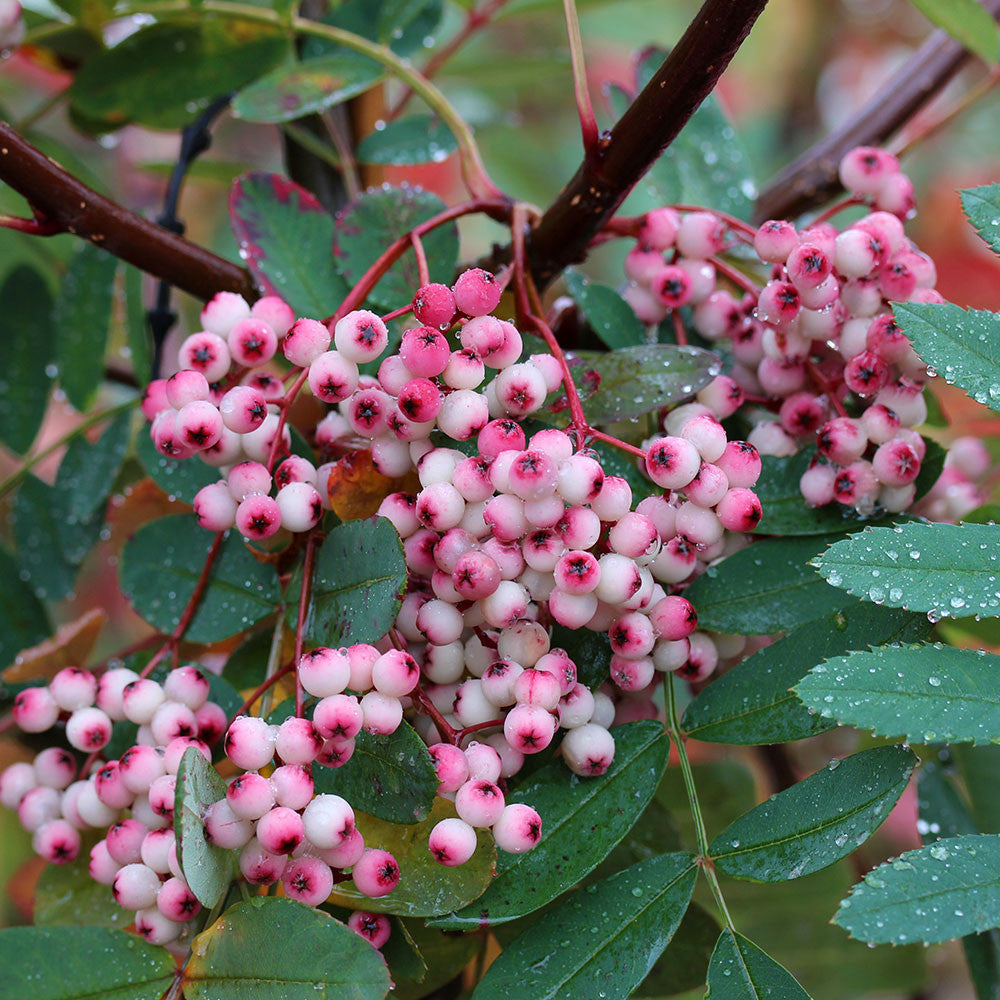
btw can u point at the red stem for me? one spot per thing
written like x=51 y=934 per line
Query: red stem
x=738 y=278
x=34 y=227
x=680 y=334
x=396 y=313
x=469 y=730
x=617 y=443
x=300 y=623
x=286 y=402
x=423 y=275
x=837 y=207
x=423 y=704
x=826 y=387
x=730 y=220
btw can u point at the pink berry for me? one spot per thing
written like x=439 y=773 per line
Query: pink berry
x=249 y=742
x=261 y=867
x=206 y=353
x=739 y=510
x=518 y=829
x=73 y=688
x=88 y=729
x=672 y=462
x=376 y=873
x=222 y=311
x=588 y=750
x=452 y=841
x=328 y=821
x=250 y=795
x=35 y=710
x=293 y=785
x=281 y=830
x=528 y=728
x=864 y=168
x=672 y=286
x=252 y=342
x=57 y=842
x=54 y=767
x=434 y=305
x=308 y=880
x=154 y=398
x=124 y=841
x=360 y=336
x=258 y=517
x=297 y=741
x=775 y=240
x=741 y=463
x=476 y=292
x=176 y=901
x=300 y=505
x=305 y=341
x=382 y=713
x=139 y=767
x=659 y=228
x=896 y=463
x=135 y=887
x=375 y=928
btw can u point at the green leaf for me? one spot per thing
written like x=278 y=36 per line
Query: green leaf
x=607 y=313
x=306 y=88
x=816 y=822
x=739 y=970
x=406 y=141
x=588 y=650
x=165 y=75
x=924 y=694
x=67 y=894
x=358 y=584
x=767 y=587
x=177 y=478
x=247 y=664
x=241 y=957
x=960 y=345
x=60 y=963
x=39 y=551
x=582 y=820
x=982 y=952
x=752 y=703
x=939 y=804
x=27 y=348
x=370 y=223
x=982 y=207
x=622 y=384
x=82 y=319
x=442 y=955
x=207 y=869
x=287 y=241
x=403 y=25
x=946 y=570
x=88 y=471
x=935 y=893
x=601 y=941
x=967 y=21
x=23 y=620
x=684 y=964
x=160 y=568
x=136 y=324
x=391 y=777
x=426 y=887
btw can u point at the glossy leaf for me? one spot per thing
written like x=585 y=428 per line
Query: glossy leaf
x=946 y=570
x=177 y=478
x=684 y=964
x=238 y=957
x=59 y=964
x=960 y=345
x=940 y=807
x=607 y=313
x=935 y=893
x=247 y=664
x=82 y=320
x=164 y=75
x=370 y=223
x=426 y=887
x=403 y=25
x=588 y=650
x=739 y=970
x=967 y=22
x=391 y=777
x=410 y=140
x=923 y=694
x=66 y=894
x=306 y=88
x=582 y=820
x=286 y=238
x=27 y=348
x=207 y=869
x=357 y=584
x=39 y=551
x=978 y=767
x=982 y=208
x=752 y=703
x=444 y=956
x=88 y=471
x=817 y=821
x=602 y=940
x=160 y=568
x=23 y=620
x=767 y=587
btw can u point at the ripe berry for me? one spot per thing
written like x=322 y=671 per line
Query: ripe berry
x=376 y=873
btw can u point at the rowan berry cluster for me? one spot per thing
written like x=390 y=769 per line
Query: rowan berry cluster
x=816 y=349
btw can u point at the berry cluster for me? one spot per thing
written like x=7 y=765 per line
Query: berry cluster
x=816 y=350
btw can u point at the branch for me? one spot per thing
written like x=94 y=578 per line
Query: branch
x=812 y=179
x=648 y=126
x=75 y=208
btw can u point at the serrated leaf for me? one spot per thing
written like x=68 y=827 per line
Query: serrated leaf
x=82 y=318
x=582 y=820
x=968 y=22
x=358 y=583
x=739 y=970
x=375 y=219
x=923 y=694
x=67 y=894
x=207 y=869
x=59 y=964
x=608 y=314
x=817 y=821
x=164 y=75
x=945 y=570
x=767 y=587
x=160 y=568
x=406 y=141
x=982 y=207
x=391 y=777
x=935 y=893
x=27 y=348
x=602 y=940
x=286 y=237
x=237 y=958
x=960 y=345
x=752 y=703
x=87 y=471
x=426 y=887
x=306 y=88
x=181 y=478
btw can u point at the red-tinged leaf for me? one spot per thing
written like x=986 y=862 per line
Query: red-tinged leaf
x=286 y=238
x=356 y=488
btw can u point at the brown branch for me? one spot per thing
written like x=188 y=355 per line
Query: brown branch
x=65 y=202
x=648 y=126
x=812 y=180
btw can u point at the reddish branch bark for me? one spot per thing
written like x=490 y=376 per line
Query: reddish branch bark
x=64 y=202
x=648 y=126
x=812 y=180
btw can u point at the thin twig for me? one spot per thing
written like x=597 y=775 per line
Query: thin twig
x=305 y=594
x=581 y=91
